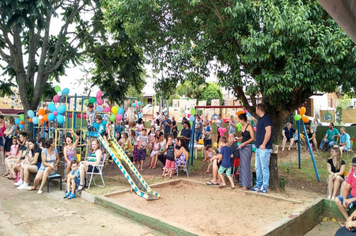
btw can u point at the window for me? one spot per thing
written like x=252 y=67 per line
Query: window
x=331 y=103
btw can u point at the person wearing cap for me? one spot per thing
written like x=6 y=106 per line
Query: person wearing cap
x=348 y=196
x=186 y=131
x=167 y=124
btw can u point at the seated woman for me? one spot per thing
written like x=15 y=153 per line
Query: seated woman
x=180 y=155
x=311 y=137
x=70 y=151
x=336 y=168
x=50 y=159
x=287 y=133
x=33 y=167
x=93 y=159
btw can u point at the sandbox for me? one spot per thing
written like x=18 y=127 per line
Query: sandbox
x=206 y=210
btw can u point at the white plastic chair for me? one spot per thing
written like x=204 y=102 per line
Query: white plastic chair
x=100 y=172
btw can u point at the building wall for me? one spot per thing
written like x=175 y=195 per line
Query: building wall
x=332 y=100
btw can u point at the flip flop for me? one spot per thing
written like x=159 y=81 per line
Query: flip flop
x=222 y=186
x=80 y=185
x=211 y=183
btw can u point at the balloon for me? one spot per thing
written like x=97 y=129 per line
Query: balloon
x=35 y=120
x=135 y=101
x=106 y=109
x=192 y=111
x=59 y=93
x=238 y=143
x=45 y=118
x=118 y=117
x=191 y=123
x=30 y=120
x=41 y=111
x=40 y=117
x=297 y=117
x=56 y=98
x=238 y=126
x=99 y=108
x=30 y=113
x=65 y=91
x=252 y=123
x=61 y=109
x=133 y=104
x=60 y=119
x=17 y=121
x=99 y=94
x=22 y=117
x=192 y=118
x=302 y=111
x=188 y=115
x=57 y=89
x=137 y=106
x=114 y=111
x=21 y=126
x=52 y=107
x=55 y=113
x=112 y=117
x=254 y=149
x=51 y=117
x=245 y=110
x=42 y=122
x=22 y=122
x=92 y=100
x=139 y=103
x=224 y=130
x=248 y=114
x=305 y=119
x=99 y=101
x=239 y=113
x=121 y=111
x=254 y=129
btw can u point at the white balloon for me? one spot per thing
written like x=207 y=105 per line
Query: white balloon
x=40 y=117
x=59 y=93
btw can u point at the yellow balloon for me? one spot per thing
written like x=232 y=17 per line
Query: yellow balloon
x=114 y=110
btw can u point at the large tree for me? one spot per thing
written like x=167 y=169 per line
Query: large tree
x=280 y=50
x=39 y=39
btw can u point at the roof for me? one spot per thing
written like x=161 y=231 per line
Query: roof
x=11 y=111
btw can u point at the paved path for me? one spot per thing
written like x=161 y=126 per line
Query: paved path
x=27 y=213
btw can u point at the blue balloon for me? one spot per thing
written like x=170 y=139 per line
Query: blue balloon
x=51 y=117
x=192 y=118
x=35 y=120
x=133 y=104
x=52 y=107
x=65 y=91
x=30 y=113
x=99 y=109
x=121 y=111
x=21 y=126
x=61 y=109
x=60 y=119
x=17 y=121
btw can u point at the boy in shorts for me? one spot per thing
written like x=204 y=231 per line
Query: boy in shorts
x=90 y=116
x=224 y=158
x=102 y=127
x=142 y=143
x=73 y=180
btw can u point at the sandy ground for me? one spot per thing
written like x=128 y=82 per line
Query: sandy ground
x=211 y=210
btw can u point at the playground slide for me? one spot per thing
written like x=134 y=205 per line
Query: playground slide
x=129 y=170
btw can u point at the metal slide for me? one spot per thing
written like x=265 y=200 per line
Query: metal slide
x=129 y=170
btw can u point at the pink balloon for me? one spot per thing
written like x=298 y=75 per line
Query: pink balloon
x=224 y=130
x=245 y=111
x=254 y=129
x=188 y=115
x=137 y=106
x=99 y=101
x=106 y=109
x=55 y=113
x=84 y=116
x=56 y=98
x=99 y=94
x=118 y=117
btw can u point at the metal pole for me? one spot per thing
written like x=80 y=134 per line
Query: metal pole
x=311 y=154
x=299 y=160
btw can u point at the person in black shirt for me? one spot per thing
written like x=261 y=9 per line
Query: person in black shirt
x=186 y=131
x=174 y=128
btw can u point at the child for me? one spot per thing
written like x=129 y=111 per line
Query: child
x=154 y=153
x=102 y=128
x=133 y=140
x=90 y=116
x=208 y=156
x=73 y=180
x=142 y=141
x=9 y=160
x=224 y=157
x=170 y=164
x=151 y=137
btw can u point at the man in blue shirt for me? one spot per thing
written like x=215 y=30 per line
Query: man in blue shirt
x=264 y=149
x=167 y=124
x=330 y=137
x=345 y=142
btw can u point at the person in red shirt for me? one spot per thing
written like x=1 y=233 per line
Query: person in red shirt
x=349 y=195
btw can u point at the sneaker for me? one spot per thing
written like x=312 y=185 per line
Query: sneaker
x=23 y=186
x=255 y=189
x=18 y=183
x=262 y=190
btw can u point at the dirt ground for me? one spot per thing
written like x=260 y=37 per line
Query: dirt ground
x=211 y=210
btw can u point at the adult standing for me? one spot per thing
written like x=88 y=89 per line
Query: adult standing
x=186 y=132
x=70 y=151
x=264 y=149
x=207 y=134
x=174 y=128
x=162 y=143
x=167 y=124
x=198 y=128
x=287 y=133
x=9 y=132
x=248 y=136
x=330 y=137
x=232 y=125
x=2 y=138
x=219 y=124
